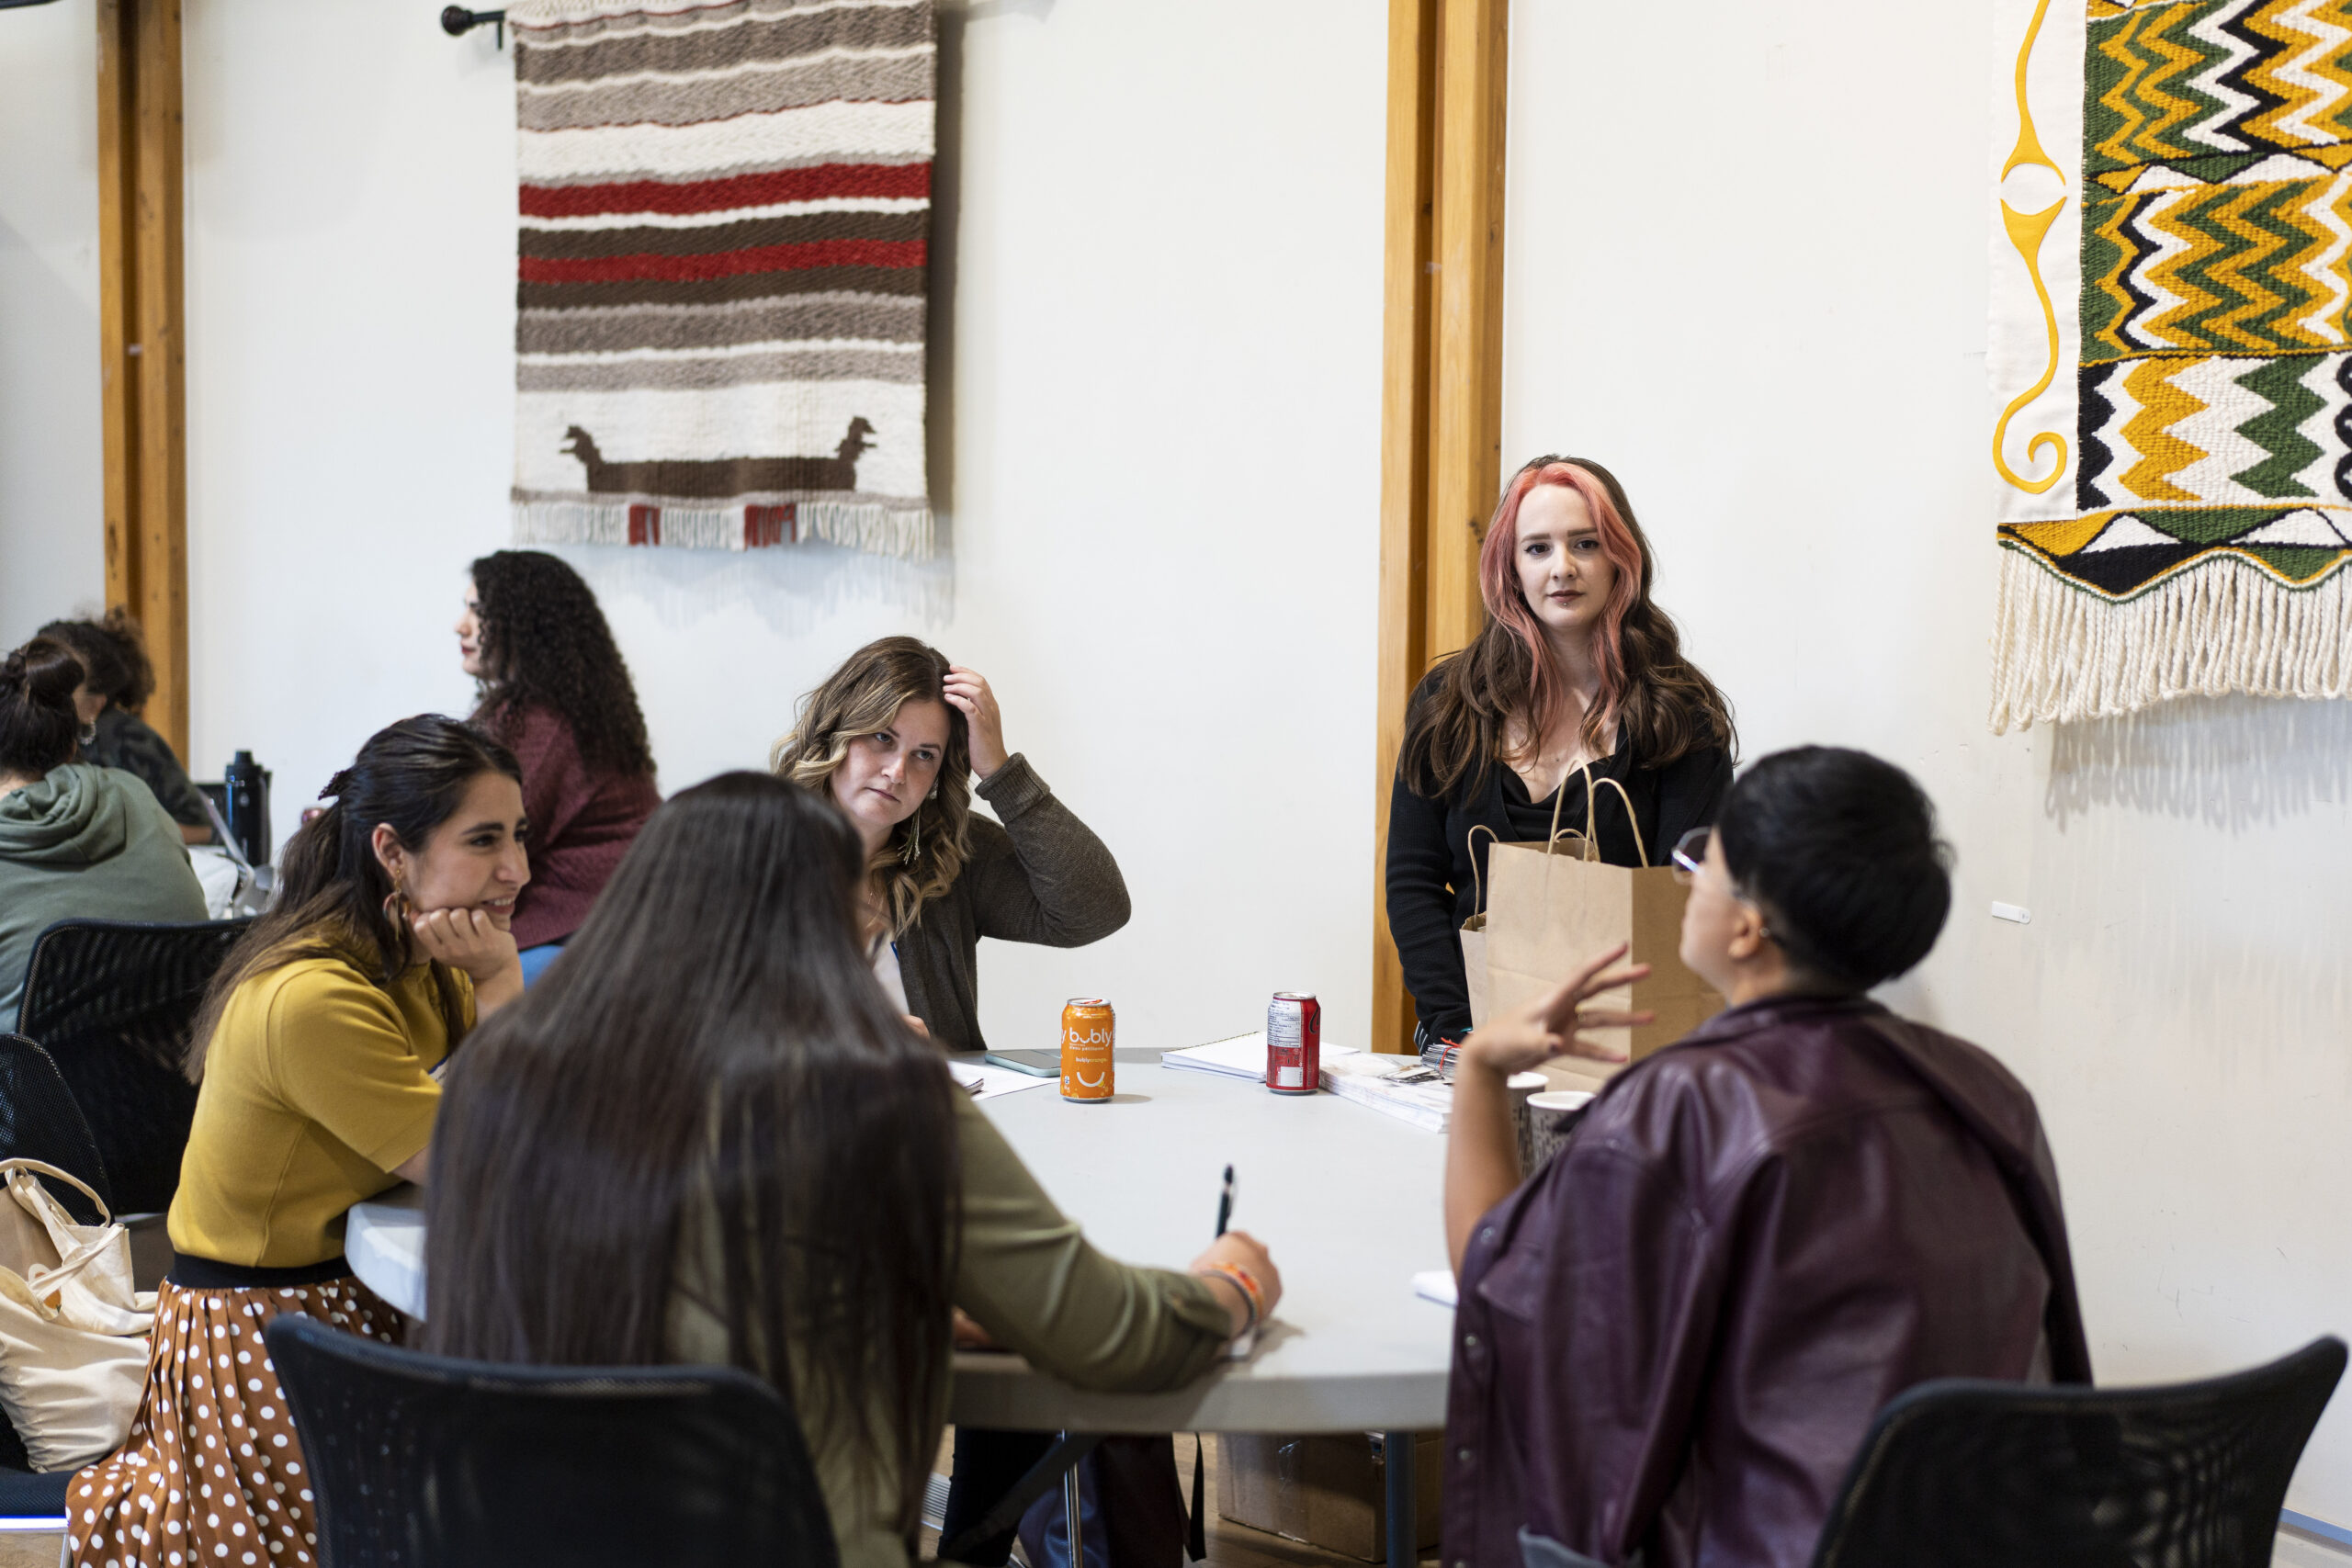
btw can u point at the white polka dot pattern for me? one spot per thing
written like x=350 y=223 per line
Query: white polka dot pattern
x=213 y=1412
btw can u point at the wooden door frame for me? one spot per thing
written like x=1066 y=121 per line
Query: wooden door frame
x=1441 y=436
x=142 y=339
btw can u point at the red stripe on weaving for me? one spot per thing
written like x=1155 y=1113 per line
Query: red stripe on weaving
x=724 y=263
x=738 y=190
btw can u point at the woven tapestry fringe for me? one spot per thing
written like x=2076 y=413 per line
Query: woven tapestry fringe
x=2062 y=654
x=905 y=532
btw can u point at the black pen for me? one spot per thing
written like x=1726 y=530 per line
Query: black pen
x=1225 y=1202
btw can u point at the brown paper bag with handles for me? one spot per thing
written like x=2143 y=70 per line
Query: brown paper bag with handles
x=1473 y=931
x=1551 y=907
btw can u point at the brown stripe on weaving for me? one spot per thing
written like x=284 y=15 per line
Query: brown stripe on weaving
x=730 y=171
x=722 y=46
x=764 y=496
x=898 y=280
x=716 y=239
x=684 y=19
x=861 y=316
x=731 y=371
x=903 y=79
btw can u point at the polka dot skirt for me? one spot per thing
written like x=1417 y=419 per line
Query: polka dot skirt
x=213 y=1473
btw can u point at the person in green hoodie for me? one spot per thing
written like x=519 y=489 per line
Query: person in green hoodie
x=77 y=841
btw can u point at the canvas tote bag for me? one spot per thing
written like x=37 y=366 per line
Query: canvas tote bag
x=73 y=1334
x=1552 y=905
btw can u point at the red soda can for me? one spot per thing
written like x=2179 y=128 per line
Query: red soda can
x=1087 y=1029
x=1293 y=1043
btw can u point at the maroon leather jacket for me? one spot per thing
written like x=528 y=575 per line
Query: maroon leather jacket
x=1673 y=1338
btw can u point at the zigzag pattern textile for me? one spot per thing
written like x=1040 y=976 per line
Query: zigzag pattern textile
x=2195 y=538
x=722 y=261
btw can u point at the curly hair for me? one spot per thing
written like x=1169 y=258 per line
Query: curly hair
x=864 y=696
x=545 y=644
x=114 y=653
x=1662 y=705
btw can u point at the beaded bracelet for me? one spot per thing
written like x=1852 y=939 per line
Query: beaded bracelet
x=1250 y=1295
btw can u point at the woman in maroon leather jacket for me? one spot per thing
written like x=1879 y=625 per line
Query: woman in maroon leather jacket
x=1673 y=1337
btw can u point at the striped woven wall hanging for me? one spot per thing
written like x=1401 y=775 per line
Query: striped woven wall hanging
x=2172 y=295
x=725 y=210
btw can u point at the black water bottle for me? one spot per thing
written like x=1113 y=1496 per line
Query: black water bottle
x=248 y=807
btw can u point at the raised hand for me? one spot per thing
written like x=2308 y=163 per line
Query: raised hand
x=968 y=691
x=1555 y=1025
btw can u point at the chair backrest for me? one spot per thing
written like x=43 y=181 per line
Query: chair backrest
x=112 y=1002
x=421 y=1460
x=38 y=1120
x=2186 y=1475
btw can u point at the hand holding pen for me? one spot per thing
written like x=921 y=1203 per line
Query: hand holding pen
x=1241 y=1271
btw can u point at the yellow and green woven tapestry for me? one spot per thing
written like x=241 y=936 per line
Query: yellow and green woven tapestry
x=2171 y=350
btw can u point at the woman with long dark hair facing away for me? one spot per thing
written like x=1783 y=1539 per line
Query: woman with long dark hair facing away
x=1674 y=1336
x=751 y=1159
x=117 y=680
x=1574 y=673
x=77 y=842
x=554 y=688
x=894 y=738
x=313 y=1055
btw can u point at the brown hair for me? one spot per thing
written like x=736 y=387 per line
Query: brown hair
x=1664 y=705
x=38 y=723
x=862 y=696
x=114 y=657
x=332 y=890
x=763 y=1108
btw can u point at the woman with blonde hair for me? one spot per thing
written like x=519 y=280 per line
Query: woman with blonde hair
x=890 y=738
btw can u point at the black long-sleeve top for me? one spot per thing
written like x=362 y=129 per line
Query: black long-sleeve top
x=1431 y=889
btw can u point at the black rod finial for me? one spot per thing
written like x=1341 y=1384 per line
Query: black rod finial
x=456 y=22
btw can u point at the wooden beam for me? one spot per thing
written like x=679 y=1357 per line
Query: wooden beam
x=142 y=339
x=1441 y=388
x=1467 y=426
x=1404 y=455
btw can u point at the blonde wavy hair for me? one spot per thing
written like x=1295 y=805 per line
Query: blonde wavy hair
x=925 y=853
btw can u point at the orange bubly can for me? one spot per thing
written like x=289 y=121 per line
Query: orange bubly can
x=1087 y=1028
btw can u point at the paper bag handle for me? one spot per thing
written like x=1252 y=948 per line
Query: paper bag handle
x=1591 y=836
x=1478 y=883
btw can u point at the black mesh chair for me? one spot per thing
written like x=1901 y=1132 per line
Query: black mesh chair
x=112 y=1002
x=2188 y=1475
x=421 y=1460
x=40 y=1120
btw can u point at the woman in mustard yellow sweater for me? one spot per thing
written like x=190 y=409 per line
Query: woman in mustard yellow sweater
x=314 y=1058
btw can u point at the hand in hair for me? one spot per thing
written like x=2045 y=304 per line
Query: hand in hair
x=968 y=691
x=1553 y=1025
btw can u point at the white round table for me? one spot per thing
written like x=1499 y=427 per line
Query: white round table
x=1346 y=1198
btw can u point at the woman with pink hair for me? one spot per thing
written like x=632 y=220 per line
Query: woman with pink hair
x=1575 y=667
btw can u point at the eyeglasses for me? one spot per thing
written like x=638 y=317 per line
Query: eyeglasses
x=1690 y=858
x=1691 y=854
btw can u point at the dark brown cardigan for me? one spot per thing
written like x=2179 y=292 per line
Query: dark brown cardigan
x=1041 y=877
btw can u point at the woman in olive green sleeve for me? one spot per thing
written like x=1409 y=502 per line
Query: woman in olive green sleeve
x=649 y=1160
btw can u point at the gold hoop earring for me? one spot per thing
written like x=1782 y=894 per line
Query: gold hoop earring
x=396 y=909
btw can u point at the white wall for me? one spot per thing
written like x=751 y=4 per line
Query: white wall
x=53 y=554
x=1746 y=253
x=1157 y=351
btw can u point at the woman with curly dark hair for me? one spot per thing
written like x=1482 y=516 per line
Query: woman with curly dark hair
x=1576 y=673
x=555 y=691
